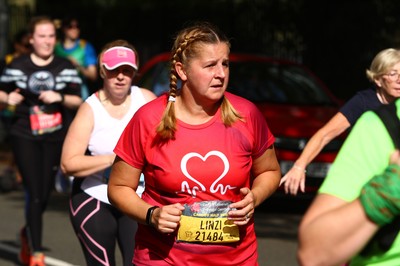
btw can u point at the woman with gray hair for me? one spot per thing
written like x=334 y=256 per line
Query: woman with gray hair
x=384 y=74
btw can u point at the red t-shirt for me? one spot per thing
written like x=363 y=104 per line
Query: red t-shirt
x=204 y=162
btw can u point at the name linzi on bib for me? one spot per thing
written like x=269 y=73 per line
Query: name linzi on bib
x=207 y=222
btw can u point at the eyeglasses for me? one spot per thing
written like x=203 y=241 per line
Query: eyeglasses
x=393 y=76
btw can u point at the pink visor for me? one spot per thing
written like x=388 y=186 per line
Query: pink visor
x=118 y=56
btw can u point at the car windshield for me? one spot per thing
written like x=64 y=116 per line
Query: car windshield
x=156 y=78
x=275 y=83
x=259 y=82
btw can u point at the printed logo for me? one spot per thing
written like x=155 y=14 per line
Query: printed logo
x=41 y=81
x=198 y=186
x=122 y=53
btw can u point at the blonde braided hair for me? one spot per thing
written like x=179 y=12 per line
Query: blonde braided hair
x=187 y=46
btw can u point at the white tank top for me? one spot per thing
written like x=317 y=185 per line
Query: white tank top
x=104 y=137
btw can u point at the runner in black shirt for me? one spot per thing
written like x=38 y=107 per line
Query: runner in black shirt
x=42 y=91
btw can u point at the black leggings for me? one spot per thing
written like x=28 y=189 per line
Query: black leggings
x=38 y=162
x=99 y=226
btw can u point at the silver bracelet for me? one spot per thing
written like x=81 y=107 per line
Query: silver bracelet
x=299 y=168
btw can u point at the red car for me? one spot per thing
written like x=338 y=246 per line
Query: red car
x=294 y=101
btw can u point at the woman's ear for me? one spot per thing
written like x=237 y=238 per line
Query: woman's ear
x=378 y=82
x=180 y=70
x=102 y=72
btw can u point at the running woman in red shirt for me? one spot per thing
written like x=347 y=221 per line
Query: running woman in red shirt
x=208 y=160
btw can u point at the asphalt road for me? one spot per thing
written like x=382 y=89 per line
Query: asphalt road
x=276 y=227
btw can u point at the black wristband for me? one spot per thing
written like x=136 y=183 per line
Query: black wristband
x=150 y=214
x=62 y=97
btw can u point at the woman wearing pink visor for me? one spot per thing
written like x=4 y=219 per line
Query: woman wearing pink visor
x=88 y=154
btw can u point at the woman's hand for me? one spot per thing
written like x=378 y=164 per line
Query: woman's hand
x=395 y=157
x=293 y=180
x=49 y=97
x=14 y=97
x=166 y=218
x=244 y=208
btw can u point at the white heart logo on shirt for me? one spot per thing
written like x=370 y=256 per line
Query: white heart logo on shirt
x=200 y=187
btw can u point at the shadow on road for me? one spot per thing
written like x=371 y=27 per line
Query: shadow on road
x=287 y=204
x=279 y=217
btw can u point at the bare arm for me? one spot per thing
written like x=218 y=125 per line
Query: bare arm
x=90 y=72
x=332 y=231
x=122 y=186
x=124 y=180
x=295 y=178
x=70 y=101
x=73 y=159
x=266 y=172
x=12 y=98
x=3 y=97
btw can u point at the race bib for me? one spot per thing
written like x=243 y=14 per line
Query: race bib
x=42 y=123
x=207 y=222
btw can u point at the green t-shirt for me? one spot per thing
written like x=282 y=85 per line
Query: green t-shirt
x=77 y=52
x=365 y=153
